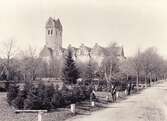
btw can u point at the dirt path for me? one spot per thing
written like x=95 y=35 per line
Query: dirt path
x=149 y=105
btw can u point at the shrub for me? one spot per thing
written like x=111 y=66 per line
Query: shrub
x=66 y=95
x=75 y=94
x=33 y=100
x=12 y=92
x=18 y=102
x=88 y=91
x=57 y=99
x=50 y=90
x=47 y=97
x=2 y=89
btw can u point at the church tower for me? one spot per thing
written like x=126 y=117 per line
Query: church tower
x=53 y=34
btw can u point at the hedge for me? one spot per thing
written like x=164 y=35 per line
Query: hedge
x=46 y=97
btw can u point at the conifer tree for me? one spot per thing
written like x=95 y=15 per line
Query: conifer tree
x=12 y=92
x=70 y=71
x=18 y=102
x=89 y=72
x=32 y=101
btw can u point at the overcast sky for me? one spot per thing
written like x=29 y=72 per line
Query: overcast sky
x=131 y=23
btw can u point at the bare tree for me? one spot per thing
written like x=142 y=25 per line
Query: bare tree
x=164 y=69
x=154 y=65
x=110 y=64
x=9 y=52
x=151 y=62
x=29 y=64
x=137 y=66
x=127 y=68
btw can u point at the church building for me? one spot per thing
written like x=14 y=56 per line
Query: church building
x=53 y=46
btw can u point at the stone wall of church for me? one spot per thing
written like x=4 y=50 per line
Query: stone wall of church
x=53 y=35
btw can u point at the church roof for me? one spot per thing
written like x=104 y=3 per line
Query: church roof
x=82 y=46
x=98 y=50
x=46 y=52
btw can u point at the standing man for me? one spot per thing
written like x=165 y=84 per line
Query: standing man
x=113 y=93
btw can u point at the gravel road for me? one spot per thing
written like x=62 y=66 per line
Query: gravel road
x=149 y=105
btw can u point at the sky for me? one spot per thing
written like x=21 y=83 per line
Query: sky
x=132 y=24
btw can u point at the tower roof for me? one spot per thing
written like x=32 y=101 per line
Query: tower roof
x=54 y=23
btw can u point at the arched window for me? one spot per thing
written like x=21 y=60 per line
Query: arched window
x=48 y=32
x=51 y=32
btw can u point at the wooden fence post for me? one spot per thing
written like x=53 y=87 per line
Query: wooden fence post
x=93 y=103
x=40 y=112
x=117 y=94
x=39 y=116
x=107 y=98
x=73 y=108
x=126 y=92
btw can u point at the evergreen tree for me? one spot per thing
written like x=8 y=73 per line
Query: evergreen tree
x=48 y=95
x=39 y=97
x=57 y=99
x=34 y=99
x=18 y=102
x=12 y=92
x=89 y=72
x=70 y=71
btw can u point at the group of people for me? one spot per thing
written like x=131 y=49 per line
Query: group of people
x=113 y=94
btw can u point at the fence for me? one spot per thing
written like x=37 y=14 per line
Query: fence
x=40 y=112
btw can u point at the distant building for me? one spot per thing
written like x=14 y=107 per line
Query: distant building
x=53 y=46
x=53 y=36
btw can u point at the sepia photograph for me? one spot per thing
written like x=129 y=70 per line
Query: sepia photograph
x=83 y=60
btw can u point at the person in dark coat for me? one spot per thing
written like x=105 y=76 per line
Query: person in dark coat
x=113 y=93
x=92 y=96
